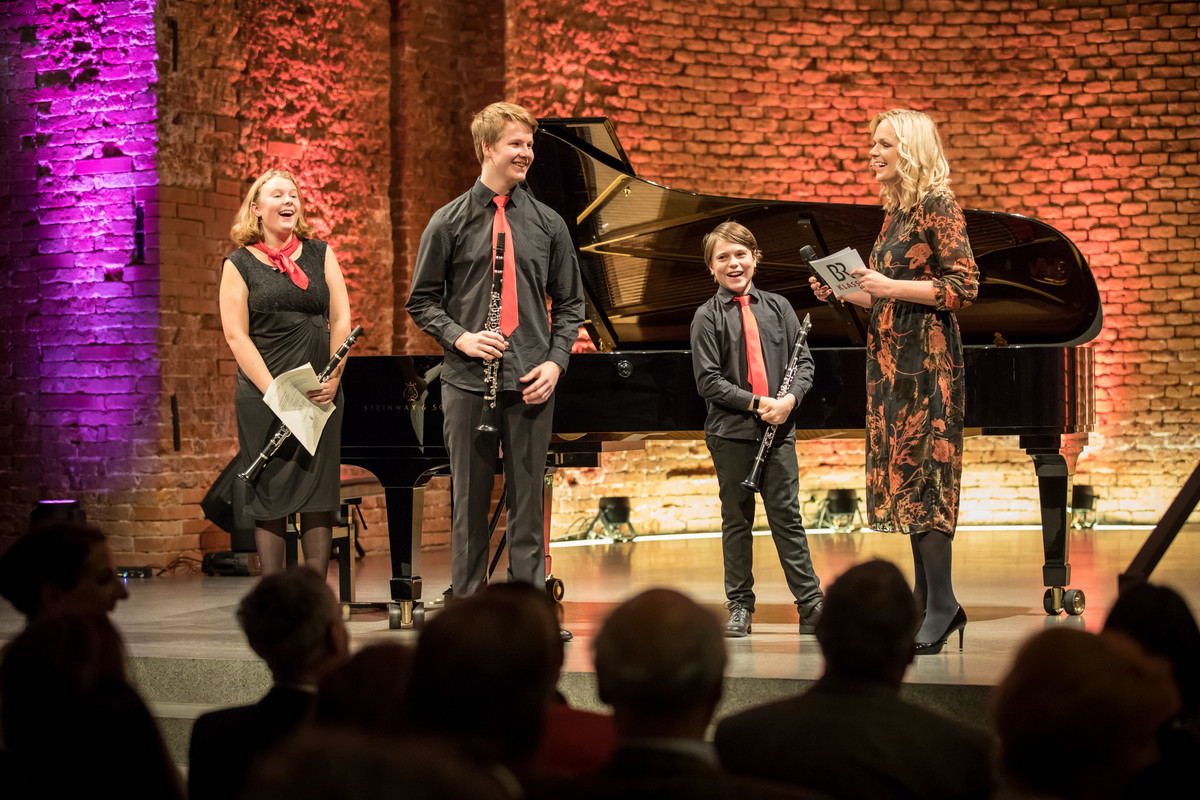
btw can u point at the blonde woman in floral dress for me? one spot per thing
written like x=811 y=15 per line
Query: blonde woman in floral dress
x=921 y=272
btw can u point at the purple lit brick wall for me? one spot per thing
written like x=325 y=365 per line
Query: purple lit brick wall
x=80 y=374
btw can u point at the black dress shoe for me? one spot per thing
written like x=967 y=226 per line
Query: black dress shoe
x=958 y=623
x=738 y=624
x=809 y=620
x=565 y=634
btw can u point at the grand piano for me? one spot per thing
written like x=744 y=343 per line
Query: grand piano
x=1029 y=372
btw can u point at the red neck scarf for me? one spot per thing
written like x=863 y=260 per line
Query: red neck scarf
x=280 y=260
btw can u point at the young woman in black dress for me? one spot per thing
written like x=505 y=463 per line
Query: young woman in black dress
x=284 y=304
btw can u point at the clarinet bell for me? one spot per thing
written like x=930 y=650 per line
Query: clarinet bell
x=751 y=482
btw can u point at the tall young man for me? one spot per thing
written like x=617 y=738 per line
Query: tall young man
x=450 y=298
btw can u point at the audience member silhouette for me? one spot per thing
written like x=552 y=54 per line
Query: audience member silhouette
x=1161 y=622
x=483 y=676
x=60 y=565
x=660 y=661
x=368 y=693
x=1077 y=715
x=341 y=764
x=852 y=735
x=293 y=622
x=72 y=723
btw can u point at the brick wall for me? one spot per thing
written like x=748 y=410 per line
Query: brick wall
x=79 y=300
x=1082 y=114
x=115 y=381
x=247 y=87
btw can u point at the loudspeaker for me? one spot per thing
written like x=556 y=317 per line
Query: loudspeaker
x=225 y=562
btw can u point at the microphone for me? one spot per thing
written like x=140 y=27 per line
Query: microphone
x=807 y=254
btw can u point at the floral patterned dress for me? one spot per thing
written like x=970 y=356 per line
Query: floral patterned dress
x=915 y=391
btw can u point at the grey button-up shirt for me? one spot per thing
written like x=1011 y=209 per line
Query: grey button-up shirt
x=452 y=284
x=719 y=361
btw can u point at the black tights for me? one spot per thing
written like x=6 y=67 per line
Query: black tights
x=316 y=538
x=934 y=589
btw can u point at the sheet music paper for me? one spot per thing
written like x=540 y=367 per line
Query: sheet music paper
x=834 y=270
x=304 y=418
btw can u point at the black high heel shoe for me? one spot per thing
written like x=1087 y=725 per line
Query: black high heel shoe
x=958 y=623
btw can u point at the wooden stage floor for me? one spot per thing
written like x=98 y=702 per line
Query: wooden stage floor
x=190 y=617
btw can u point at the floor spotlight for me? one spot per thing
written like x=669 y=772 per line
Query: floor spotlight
x=839 y=511
x=47 y=512
x=612 y=516
x=1083 y=507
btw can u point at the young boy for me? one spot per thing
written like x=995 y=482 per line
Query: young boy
x=741 y=341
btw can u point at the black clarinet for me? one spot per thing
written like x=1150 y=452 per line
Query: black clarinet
x=751 y=482
x=491 y=370
x=250 y=476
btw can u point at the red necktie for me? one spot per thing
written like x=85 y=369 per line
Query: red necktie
x=754 y=357
x=281 y=260
x=508 y=292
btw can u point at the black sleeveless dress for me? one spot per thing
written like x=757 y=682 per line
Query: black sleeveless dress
x=289 y=326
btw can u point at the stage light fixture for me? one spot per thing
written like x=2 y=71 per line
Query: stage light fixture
x=839 y=511
x=46 y=512
x=612 y=515
x=1083 y=507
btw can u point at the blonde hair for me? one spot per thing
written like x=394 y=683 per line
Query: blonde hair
x=487 y=125
x=734 y=232
x=922 y=168
x=247 y=227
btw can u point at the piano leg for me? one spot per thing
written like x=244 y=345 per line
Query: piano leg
x=1054 y=457
x=405 y=511
x=554 y=586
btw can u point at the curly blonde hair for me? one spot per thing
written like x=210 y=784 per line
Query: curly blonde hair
x=922 y=168
x=247 y=227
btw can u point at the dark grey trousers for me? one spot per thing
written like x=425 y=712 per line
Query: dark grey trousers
x=524 y=431
x=779 y=485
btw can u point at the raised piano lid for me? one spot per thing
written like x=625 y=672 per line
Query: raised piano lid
x=639 y=251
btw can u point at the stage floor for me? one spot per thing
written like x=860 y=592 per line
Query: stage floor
x=997 y=578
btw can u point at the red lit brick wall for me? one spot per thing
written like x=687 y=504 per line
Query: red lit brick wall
x=1083 y=115
x=369 y=105
x=245 y=87
x=115 y=381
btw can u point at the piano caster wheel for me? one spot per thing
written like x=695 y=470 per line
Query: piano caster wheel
x=396 y=615
x=406 y=614
x=555 y=589
x=1057 y=600
x=345 y=611
x=1052 y=601
x=1074 y=602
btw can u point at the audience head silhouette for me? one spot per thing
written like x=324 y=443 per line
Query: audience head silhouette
x=63 y=679
x=660 y=659
x=866 y=630
x=485 y=670
x=368 y=693
x=60 y=565
x=1160 y=620
x=1100 y=695
x=294 y=624
x=353 y=765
